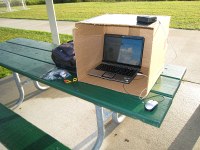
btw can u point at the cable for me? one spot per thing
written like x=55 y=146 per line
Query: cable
x=157 y=28
x=145 y=96
x=139 y=74
x=169 y=43
x=125 y=90
x=157 y=95
x=140 y=96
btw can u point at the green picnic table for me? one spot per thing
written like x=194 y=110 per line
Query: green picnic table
x=32 y=59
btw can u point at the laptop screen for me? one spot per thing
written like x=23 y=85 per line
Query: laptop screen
x=123 y=49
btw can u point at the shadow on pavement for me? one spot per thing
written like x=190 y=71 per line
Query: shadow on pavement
x=89 y=142
x=190 y=133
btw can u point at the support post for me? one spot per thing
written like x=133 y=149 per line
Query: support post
x=24 y=4
x=7 y=2
x=20 y=89
x=39 y=87
x=118 y=118
x=100 y=127
x=52 y=21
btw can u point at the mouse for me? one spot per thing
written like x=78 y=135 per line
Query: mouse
x=150 y=105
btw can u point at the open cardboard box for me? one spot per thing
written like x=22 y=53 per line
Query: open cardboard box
x=89 y=41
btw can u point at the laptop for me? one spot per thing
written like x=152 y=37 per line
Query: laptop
x=122 y=58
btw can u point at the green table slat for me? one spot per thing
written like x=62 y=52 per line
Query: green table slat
x=166 y=86
x=116 y=101
x=18 y=134
x=24 y=65
x=126 y=104
x=33 y=43
x=174 y=71
x=30 y=52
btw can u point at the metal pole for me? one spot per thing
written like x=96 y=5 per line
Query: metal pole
x=118 y=118
x=52 y=21
x=100 y=126
x=39 y=87
x=7 y=2
x=20 y=89
x=24 y=4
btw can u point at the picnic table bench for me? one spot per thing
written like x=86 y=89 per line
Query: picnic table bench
x=32 y=59
x=16 y=133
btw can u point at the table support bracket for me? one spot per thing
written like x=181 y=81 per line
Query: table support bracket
x=39 y=87
x=101 y=119
x=100 y=127
x=117 y=117
x=21 y=89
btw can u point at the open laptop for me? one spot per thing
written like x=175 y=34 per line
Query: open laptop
x=122 y=58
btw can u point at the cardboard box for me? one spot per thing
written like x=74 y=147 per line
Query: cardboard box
x=89 y=41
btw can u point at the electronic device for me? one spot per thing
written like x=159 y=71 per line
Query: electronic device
x=150 y=105
x=146 y=20
x=122 y=58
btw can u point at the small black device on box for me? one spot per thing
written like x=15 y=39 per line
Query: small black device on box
x=146 y=20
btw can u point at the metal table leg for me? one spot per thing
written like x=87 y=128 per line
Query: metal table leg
x=101 y=118
x=39 y=87
x=20 y=89
x=100 y=126
x=118 y=118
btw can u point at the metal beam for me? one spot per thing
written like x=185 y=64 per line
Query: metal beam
x=52 y=21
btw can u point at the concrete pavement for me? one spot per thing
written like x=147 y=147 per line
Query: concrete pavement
x=72 y=120
x=64 y=27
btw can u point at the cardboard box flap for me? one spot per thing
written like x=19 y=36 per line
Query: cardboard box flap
x=116 y=20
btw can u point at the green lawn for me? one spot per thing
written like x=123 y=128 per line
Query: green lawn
x=7 y=33
x=185 y=14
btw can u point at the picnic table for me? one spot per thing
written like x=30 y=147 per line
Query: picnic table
x=32 y=59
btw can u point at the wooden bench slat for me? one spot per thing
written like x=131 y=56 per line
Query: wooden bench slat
x=17 y=133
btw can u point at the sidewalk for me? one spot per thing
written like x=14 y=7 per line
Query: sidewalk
x=64 y=27
x=54 y=111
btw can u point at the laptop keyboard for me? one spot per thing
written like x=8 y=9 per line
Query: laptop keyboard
x=116 y=69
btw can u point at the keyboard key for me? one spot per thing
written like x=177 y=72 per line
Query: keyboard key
x=116 y=69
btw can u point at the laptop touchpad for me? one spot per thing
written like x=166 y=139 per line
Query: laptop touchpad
x=108 y=75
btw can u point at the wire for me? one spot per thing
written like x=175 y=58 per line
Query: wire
x=145 y=96
x=143 y=75
x=169 y=43
x=157 y=95
x=157 y=28
x=125 y=89
x=140 y=96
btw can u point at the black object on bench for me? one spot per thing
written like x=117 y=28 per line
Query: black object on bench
x=16 y=133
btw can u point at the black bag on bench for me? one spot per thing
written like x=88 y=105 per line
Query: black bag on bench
x=64 y=56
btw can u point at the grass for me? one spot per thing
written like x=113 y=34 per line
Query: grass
x=184 y=14
x=8 y=33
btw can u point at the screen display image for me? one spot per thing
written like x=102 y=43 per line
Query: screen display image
x=123 y=49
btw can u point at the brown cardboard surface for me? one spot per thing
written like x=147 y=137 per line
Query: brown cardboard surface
x=89 y=40
x=134 y=88
x=116 y=20
x=159 y=48
x=88 y=47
